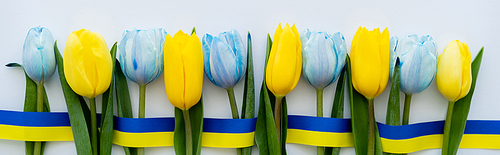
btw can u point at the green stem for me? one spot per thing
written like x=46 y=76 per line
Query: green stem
x=277 y=118
x=447 y=128
x=189 y=134
x=232 y=102
x=234 y=111
x=319 y=113
x=39 y=108
x=371 y=127
x=406 y=112
x=93 y=125
x=142 y=110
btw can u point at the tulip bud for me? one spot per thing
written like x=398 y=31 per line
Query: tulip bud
x=87 y=63
x=285 y=61
x=39 y=60
x=141 y=54
x=225 y=58
x=418 y=60
x=323 y=57
x=370 y=61
x=454 y=77
x=183 y=69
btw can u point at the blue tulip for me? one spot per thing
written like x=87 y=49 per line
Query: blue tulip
x=141 y=54
x=323 y=57
x=418 y=59
x=225 y=58
x=39 y=60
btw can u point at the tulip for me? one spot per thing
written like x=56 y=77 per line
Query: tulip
x=453 y=80
x=225 y=58
x=370 y=61
x=183 y=69
x=87 y=63
x=39 y=63
x=285 y=61
x=283 y=67
x=39 y=60
x=370 y=70
x=453 y=77
x=88 y=68
x=323 y=57
x=323 y=60
x=225 y=62
x=184 y=76
x=418 y=60
x=141 y=57
x=141 y=54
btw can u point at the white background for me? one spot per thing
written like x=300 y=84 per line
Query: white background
x=475 y=23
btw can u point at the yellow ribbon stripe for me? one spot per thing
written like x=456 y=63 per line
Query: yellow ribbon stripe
x=24 y=133
x=329 y=139
x=147 y=139
x=227 y=140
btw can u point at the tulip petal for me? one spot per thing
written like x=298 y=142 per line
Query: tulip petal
x=272 y=55
x=283 y=62
x=392 y=55
x=103 y=64
x=320 y=60
x=298 y=54
x=207 y=43
x=384 y=60
x=174 y=73
x=73 y=66
x=466 y=70
x=341 y=51
x=449 y=71
x=192 y=60
x=366 y=68
x=223 y=64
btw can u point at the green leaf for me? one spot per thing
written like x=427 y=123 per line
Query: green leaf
x=265 y=131
x=29 y=105
x=393 y=107
x=359 y=115
x=338 y=108
x=462 y=107
x=106 y=132
x=193 y=31
x=124 y=106
x=248 y=105
x=196 y=117
x=76 y=116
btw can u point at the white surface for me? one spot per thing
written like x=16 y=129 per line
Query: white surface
x=474 y=22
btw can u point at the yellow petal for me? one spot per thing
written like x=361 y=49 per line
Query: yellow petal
x=466 y=70
x=174 y=73
x=284 y=64
x=449 y=71
x=272 y=54
x=181 y=39
x=384 y=57
x=355 y=40
x=366 y=68
x=298 y=63
x=192 y=57
x=73 y=66
x=103 y=63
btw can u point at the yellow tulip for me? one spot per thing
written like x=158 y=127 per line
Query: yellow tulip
x=183 y=69
x=285 y=61
x=87 y=63
x=453 y=77
x=370 y=61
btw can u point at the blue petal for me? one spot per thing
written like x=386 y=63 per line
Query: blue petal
x=304 y=37
x=38 y=54
x=319 y=60
x=392 y=55
x=341 y=50
x=223 y=64
x=206 y=47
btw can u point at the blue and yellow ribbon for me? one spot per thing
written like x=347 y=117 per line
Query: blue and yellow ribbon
x=237 y=133
x=131 y=132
